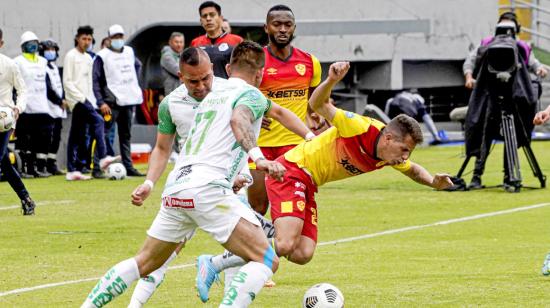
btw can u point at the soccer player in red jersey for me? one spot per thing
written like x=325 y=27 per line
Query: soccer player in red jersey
x=352 y=146
x=290 y=75
x=217 y=43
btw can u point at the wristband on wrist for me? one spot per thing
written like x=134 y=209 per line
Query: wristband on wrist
x=149 y=183
x=255 y=154
x=309 y=136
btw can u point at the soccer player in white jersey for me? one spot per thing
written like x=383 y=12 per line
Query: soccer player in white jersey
x=199 y=189
x=176 y=114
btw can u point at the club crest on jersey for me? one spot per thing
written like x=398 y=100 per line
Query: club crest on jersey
x=301 y=205
x=300 y=68
x=271 y=71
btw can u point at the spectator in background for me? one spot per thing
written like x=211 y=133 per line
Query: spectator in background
x=109 y=131
x=217 y=43
x=226 y=27
x=412 y=104
x=116 y=88
x=507 y=24
x=35 y=124
x=57 y=105
x=11 y=80
x=77 y=82
x=169 y=61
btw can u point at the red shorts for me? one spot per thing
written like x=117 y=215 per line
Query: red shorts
x=294 y=196
x=271 y=153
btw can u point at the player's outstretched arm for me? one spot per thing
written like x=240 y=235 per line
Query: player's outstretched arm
x=542 y=116
x=422 y=176
x=290 y=121
x=157 y=163
x=319 y=100
x=241 y=125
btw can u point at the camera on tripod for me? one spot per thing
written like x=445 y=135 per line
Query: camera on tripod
x=502 y=102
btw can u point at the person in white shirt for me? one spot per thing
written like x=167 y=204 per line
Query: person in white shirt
x=116 y=88
x=10 y=79
x=77 y=82
x=57 y=105
x=35 y=124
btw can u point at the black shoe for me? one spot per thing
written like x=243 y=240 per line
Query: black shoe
x=25 y=175
x=475 y=183
x=98 y=174
x=27 y=206
x=133 y=172
x=42 y=174
x=52 y=168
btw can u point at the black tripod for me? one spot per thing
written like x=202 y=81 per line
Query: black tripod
x=509 y=113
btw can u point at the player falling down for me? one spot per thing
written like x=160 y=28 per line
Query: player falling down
x=176 y=113
x=354 y=145
x=199 y=191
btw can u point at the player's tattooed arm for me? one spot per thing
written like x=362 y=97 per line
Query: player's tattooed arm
x=241 y=124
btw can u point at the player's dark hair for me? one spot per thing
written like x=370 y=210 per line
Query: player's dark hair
x=248 y=55
x=84 y=30
x=210 y=4
x=1 y=34
x=279 y=7
x=403 y=125
x=191 y=56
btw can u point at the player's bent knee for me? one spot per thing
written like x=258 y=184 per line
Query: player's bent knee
x=302 y=259
x=285 y=246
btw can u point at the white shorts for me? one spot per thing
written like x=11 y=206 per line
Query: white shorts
x=214 y=209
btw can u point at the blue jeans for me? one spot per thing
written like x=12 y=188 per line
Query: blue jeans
x=8 y=170
x=84 y=114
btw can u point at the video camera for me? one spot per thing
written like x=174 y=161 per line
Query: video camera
x=500 y=107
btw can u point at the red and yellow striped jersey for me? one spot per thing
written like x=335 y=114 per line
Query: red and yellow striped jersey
x=287 y=83
x=344 y=150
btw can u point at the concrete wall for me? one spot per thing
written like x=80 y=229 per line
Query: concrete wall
x=454 y=25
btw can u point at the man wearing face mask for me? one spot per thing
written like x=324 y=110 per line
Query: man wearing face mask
x=35 y=124
x=57 y=105
x=116 y=88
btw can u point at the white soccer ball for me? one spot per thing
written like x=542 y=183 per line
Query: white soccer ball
x=323 y=295
x=116 y=171
x=7 y=120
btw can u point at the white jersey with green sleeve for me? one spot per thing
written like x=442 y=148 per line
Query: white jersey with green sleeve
x=177 y=110
x=211 y=154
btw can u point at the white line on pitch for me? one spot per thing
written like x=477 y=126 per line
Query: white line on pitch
x=59 y=202
x=344 y=240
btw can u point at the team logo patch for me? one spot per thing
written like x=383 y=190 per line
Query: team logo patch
x=349 y=114
x=301 y=69
x=271 y=71
x=223 y=47
x=301 y=205
x=178 y=203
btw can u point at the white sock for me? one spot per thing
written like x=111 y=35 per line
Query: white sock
x=246 y=285
x=113 y=283
x=229 y=273
x=227 y=260
x=147 y=286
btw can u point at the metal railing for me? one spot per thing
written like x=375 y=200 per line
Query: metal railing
x=536 y=19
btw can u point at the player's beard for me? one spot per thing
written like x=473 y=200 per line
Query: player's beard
x=280 y=45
